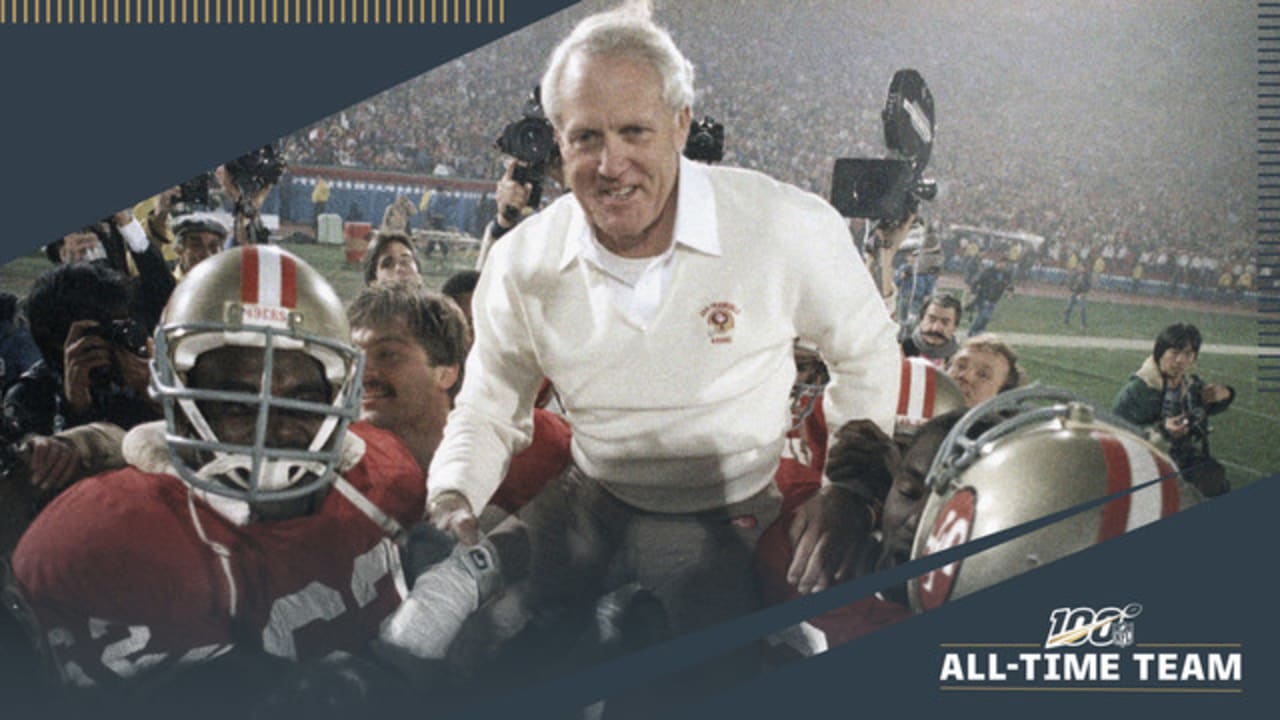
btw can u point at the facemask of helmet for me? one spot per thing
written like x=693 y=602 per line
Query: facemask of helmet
x=264 y=298
x=1039 y=459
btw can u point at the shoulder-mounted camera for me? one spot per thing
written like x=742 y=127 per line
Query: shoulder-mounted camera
x=890 y=189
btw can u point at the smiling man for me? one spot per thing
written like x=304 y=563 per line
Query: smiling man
x=661 y=298
x=983 y=367
x=934 y=336
x=414 y=344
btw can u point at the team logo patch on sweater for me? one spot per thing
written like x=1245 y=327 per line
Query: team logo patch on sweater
x=720 y=317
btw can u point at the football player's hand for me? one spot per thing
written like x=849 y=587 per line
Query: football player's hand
x=451 y=512
x=826 y=533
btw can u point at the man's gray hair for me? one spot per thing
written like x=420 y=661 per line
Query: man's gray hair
x=627 y=31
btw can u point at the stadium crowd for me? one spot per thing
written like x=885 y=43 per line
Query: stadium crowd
x=1110 y=188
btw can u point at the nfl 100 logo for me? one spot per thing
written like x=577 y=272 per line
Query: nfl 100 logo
x=1102 y=627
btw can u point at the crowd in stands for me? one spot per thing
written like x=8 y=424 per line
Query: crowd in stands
x=1021 y=144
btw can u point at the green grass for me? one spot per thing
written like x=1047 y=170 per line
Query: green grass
x=1044 y=315
x=1241 y=437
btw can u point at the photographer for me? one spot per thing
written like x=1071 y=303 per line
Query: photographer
x=512 y=196
x=95 y=356
x=121 y=243
x=1164 y=395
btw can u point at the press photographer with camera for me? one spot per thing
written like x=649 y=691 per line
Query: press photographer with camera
x=886 y=192
x=533 y=157
x=1165 y=396
x=94 y=354
x=246 y=182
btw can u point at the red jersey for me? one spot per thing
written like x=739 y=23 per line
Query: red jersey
x=131 y=571
x=532 y=468
x=807 y=443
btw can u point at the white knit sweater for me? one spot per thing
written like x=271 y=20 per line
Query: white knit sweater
x=689 y=413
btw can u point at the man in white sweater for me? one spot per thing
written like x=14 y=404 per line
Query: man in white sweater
x=662 y=299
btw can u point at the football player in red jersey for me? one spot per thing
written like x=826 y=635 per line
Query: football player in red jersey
x=254 y=518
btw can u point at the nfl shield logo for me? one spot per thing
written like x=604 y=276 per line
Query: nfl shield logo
x=1122 y=634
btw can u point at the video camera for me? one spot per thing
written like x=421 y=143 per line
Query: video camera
x=890 y=189
x=194 y=193
x=532 y=141
x=706 y=141
x=256 y=170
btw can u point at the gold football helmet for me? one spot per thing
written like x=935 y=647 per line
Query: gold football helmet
x=1038 y=460
x=262 y=297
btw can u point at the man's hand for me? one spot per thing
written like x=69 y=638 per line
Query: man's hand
x=890 y=241
x=1214 y=393
x=826 y=532
x=83 y=352
x=1176 y=426
x=166 y=199
x=512 y=196
x=135 y=370
x=53 y=463
x=451 y=512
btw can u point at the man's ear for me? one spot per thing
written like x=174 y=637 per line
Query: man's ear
x=684 y=121
x=446 y=376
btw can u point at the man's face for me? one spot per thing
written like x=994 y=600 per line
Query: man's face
x=197 y=245
x=621 y=146
x=1175 y=362
x=978 y=373
x=397 y=264
x=294 y=375
x=938 y=325
x=401 y=388
x=907 y=498
x=78 y=247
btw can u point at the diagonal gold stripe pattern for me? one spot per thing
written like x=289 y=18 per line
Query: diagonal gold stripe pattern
x=251 y=12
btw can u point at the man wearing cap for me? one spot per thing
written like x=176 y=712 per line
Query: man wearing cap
x=196 y=236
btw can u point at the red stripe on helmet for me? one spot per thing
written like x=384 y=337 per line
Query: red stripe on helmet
x=1115 y=513
x=288 y=282
x=249 y=276
x=930 y=392
x=904 y=388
